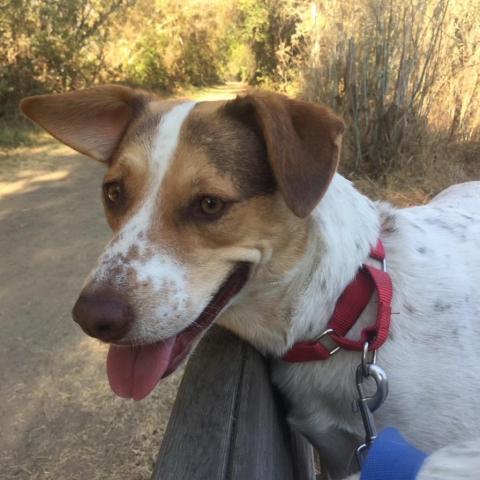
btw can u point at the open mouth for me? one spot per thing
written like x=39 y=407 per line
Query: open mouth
x=133 y=372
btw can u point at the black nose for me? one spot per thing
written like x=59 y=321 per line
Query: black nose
x=103 y=315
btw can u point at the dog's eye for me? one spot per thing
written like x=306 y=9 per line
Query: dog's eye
x=208 y=208
x=211 y=206
x=112 y=192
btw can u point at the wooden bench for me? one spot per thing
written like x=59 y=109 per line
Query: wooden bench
x=228 y=423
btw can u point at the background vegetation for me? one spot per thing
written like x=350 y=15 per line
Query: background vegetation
x=404 y=74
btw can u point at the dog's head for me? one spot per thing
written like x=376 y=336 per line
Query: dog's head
x=200 y=197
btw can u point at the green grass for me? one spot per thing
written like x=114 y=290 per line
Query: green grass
x=17 y=133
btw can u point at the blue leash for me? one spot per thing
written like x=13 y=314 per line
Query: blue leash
x=391 y=457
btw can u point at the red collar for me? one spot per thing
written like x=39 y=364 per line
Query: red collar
x=348 y=309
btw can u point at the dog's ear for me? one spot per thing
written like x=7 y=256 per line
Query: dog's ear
x=91 y=121
x=302 y=141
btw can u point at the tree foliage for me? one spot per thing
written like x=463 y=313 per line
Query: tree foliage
x=52 y=46
x=65 y=44
x=395 y=70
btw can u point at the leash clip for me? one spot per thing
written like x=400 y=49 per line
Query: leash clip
x=369 y=404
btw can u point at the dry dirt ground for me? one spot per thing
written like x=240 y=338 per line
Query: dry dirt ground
x=58 y=417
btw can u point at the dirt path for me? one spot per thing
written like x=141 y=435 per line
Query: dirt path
x=58 y=417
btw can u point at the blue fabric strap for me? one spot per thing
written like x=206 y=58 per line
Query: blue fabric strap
x=392 y=458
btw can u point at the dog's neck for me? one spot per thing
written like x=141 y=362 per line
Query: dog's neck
x=297 y=306
x=345 y=227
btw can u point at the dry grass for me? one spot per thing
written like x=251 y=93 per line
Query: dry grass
x=404 y=75
x=70 y=426
x=417 y=181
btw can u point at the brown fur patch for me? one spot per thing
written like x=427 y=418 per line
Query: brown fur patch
x=217 y=155
x=302 y=142
x=232 y=147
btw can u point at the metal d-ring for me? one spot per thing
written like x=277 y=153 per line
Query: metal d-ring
x=365 y=363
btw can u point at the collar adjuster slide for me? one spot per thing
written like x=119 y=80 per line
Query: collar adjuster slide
x=334 y=348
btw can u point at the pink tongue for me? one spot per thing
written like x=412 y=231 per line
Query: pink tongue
x=133 y=372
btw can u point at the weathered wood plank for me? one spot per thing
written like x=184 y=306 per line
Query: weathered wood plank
x=261 y=446
x=303 y=457
x=226 y=423
x=197 y=440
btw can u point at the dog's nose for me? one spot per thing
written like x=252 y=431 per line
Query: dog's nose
x=103 y=315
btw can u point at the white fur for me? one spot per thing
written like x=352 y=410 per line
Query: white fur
x=460 y=461
x=158 y=272
x=432 y=357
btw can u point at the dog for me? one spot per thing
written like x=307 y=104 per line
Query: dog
x=233 y=211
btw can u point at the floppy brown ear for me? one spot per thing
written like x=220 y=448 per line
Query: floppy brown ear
x=302 y=141
x=91 y=121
